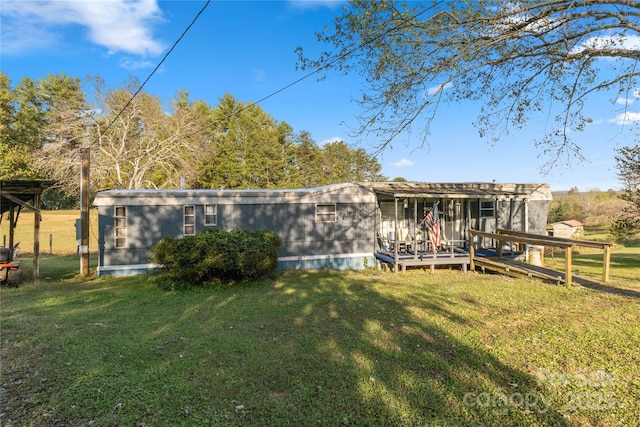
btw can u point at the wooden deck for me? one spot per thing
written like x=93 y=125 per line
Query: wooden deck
x=508 y=264
x=423 y=259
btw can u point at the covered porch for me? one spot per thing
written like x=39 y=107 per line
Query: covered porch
x=426 y=224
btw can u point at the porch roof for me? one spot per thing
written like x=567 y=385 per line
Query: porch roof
x=461 y=190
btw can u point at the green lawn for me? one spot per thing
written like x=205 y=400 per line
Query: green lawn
x=588 y=263
x=319 y=349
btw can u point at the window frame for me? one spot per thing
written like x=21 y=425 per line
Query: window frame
x=331 y=215
x=120 y=227
x=487 y=211
x=189 y=220
x=211 y=218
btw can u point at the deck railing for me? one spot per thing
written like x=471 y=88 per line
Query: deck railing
x=539 y=240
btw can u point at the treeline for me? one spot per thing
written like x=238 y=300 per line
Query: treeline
x=137 y=142
x=594 y=208
x=619 y=211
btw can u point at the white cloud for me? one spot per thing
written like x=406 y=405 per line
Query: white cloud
x=626 y=118
x=132 y=64
x=403 y=163
x=439 y=88
x=624 y=101
x=629 y=100
x=609 y=42
x=118 y=25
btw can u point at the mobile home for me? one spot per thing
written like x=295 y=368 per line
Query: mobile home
x=340 y=226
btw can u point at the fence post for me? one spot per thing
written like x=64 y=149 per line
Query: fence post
x=606 y=263
x=567 y=265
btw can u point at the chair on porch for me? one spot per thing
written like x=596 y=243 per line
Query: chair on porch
x=383 y=244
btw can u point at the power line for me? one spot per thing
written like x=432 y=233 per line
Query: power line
x=153 y=72
x=320 y=68
x=274 y=93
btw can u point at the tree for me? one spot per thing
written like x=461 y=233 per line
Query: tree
x=341 y=163
x=15 y=145
x=67 y=117
x=136 y=143
x=308 y=162
x=38 y=120
x=518 y=57
x=250 y=148
x=628 y=163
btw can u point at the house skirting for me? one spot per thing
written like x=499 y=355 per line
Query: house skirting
x=126 y=270
x=308 y=262
x=327 y=262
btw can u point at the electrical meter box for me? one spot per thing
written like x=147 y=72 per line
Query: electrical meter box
x=78 y=231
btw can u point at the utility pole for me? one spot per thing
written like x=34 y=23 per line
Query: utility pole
x=84 y=214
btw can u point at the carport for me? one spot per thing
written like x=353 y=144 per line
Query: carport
x=16 y=195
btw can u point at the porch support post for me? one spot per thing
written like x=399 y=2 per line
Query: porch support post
x=395 y=238
x=472 y=250
x=526 y=226
x=415 y=229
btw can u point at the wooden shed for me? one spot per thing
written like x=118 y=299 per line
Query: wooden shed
x=570 y=229
x=337 y=226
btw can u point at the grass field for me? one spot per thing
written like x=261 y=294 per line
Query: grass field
x=321 y=349
x=57 y=232
x=318 y=348
x=58 y=237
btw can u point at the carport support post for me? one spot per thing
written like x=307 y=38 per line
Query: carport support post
x=12 y=225
x=37 y=217
x=84 y=214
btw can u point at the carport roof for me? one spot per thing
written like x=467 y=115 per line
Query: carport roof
x=21 y=193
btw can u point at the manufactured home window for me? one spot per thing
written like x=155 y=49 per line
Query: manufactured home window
x=189 y=220
x=210 y=214
x=326 y=213
x=121 y=226
x=487 y=209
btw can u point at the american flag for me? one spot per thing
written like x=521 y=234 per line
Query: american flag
x=433 y=222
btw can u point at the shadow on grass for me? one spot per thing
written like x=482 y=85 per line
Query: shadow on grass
x=305 y=349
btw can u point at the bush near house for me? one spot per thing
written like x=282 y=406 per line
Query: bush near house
x=216 y=255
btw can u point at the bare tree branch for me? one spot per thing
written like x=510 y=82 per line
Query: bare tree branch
x=520 y=58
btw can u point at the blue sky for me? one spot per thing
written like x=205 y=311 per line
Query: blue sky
x=246 y=49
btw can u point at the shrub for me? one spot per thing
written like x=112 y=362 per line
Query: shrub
x=217 y=255
x=624 y=229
